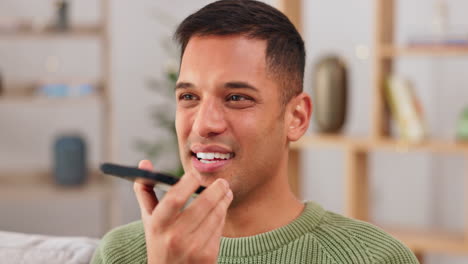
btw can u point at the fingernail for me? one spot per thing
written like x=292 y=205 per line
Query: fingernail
x=229 y=194
x=143 y=163
x=226 y=183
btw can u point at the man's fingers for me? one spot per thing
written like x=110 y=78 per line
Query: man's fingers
x=215 y=238
x=145 y=193
x=203 y=206
x=145 y=165
x=209 y=231
x=175 y=199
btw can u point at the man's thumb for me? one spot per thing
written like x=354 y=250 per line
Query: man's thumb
x=145 y=193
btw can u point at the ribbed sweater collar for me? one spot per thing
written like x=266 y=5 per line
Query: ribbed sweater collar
x=269 y=241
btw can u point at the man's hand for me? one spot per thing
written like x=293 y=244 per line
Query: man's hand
x=189 y=236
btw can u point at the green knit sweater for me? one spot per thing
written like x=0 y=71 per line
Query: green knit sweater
x=316 y=236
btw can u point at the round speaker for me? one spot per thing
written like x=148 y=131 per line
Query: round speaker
x=70 y=160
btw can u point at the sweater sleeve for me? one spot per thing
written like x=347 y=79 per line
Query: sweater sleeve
x=392 y=251
x=383 y=248
x=97 y=256
x=380 y=246
x=125 y=244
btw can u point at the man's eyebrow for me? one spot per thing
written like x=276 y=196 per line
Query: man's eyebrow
x=239 y=85
x=184 y=85
x=228 y=85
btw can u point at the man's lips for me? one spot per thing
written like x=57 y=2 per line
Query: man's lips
x=209 y=158
x=209 y=148
x=212 y=166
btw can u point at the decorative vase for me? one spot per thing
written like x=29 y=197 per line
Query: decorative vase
x=62 y=15
x=462 y=127
x=1 y=84
x=330 y=93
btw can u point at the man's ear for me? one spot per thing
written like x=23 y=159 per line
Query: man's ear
x=299 y=113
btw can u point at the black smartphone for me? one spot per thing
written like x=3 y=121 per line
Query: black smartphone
x=163 y=180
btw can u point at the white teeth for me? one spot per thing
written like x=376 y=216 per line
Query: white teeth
x=207 y=161
x=213 y=155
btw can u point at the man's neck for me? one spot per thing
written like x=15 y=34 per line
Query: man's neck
x=271 y=207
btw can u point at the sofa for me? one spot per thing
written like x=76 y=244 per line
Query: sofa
x=40 y=249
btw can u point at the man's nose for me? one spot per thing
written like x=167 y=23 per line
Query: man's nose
x=210 y=119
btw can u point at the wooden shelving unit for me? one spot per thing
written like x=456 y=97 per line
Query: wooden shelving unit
x=37 y=184
x=37 y=100
x=25 y=94
x=368 y=145
x=357 y=149
x=40 y=185
x=395 y=51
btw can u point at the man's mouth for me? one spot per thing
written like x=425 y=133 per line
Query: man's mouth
x=212 y=157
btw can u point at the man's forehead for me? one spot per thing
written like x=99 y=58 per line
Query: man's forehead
x=223 y=59
x=225 y=49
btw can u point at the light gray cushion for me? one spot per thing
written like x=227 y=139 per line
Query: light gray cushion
x=27 y=248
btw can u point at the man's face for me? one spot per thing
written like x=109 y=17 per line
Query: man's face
x=229 y=119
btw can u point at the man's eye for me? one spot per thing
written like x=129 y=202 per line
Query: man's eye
x=187 y=97
x=236 y=97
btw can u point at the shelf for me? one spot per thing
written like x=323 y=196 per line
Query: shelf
x=23 y=176
x=24 y=93
x=391 y=51
x=37 y=185
x=326 y=140
x=74 y=32
x=55 y=101
x=435 y=146
x=431 y=240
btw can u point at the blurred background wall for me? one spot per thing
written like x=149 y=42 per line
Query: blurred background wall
x=415 y=190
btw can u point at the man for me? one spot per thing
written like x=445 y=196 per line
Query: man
x=239 y=105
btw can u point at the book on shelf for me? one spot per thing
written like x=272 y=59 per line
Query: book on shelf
x=405 y=109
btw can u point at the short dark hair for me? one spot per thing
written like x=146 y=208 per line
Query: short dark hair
x=285 y=52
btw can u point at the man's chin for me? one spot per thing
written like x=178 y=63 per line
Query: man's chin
x=207 y=178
